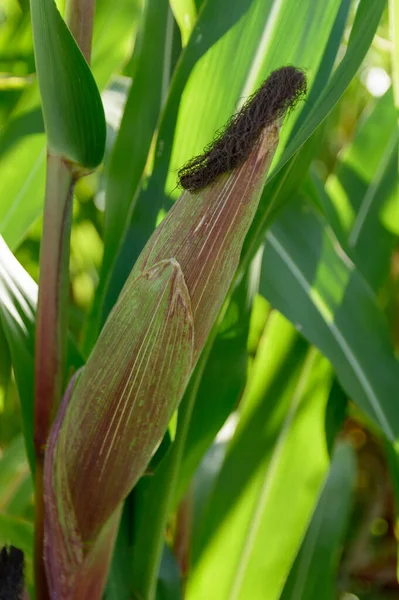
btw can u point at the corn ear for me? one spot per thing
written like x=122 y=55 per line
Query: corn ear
x=117 y=409
x=136 y=375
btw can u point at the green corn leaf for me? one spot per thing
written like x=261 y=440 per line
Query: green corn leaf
x=118 y=579
x=279 y=446
x=367 y=18
x=13 y=471
x=18 y=295
x=314 y=571
x=22 y=171
x=362 y=196
x=15 y=41
x=5 y=377
x=185 y=13
x=22 y=502
x=118 y=585
x=333 y=308
x=113 y=21
x=131 y=148
x=17 y=532
x=72 y=108
x=169 y=579
x=22 y=143
x=5 y=365
x=138 y=124
x=394 y=27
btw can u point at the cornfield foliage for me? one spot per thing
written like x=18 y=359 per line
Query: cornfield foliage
x=257 y=456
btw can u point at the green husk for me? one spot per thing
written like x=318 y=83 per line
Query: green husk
x=114 y=419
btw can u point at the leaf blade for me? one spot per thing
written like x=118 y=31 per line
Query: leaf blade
x=313 y=572
x=252 y=491
x=303 y=260
x=72 y=108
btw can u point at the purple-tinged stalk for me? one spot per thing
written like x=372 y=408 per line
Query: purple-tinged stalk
x=182 y=536
x=79 y=15
x=51 y=328
x=51 y=324
x=92 y=572
x=115 y=417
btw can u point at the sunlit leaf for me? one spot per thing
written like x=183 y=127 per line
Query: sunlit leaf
x=367 y=18
x=185 y=13
x=394 y=28
x=18 y=295
x=18 y=533
x=333 y=309
x=131 y=148
x=18 y=298
x=361 y=198
x=13 y=471
x=279 y=446
x=314 y=571
x=22 y=143
x=72 y=107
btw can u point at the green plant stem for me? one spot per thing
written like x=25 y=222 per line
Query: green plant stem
x=79 y=16
x=51 y=329
x=182 y=538
x=52 y=324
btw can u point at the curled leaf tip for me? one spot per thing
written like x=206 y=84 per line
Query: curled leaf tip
x=276 y=96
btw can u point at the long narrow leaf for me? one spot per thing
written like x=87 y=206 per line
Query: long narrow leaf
x=13 y=470
x=130 y=152
x=362 y=193
x=279 y=446
x=333 y=308
x=18 y=297
x=367 y=18
x=72 y=107
x=313 y=573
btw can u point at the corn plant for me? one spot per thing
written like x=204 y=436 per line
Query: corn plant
x=191 y=427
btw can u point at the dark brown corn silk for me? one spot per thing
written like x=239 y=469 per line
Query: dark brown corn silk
x=11 y=574
x=232 y=146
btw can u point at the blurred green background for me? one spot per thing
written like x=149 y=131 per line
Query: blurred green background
x=351 y=185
